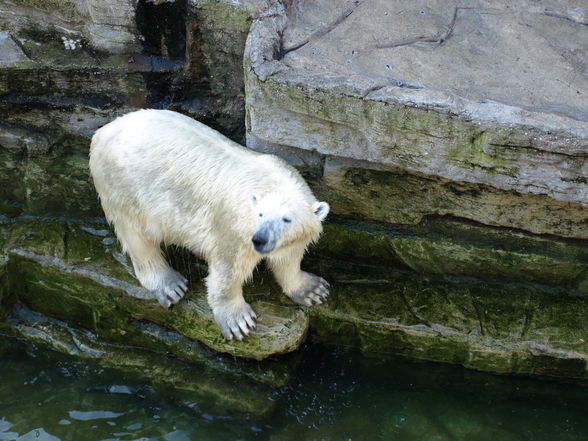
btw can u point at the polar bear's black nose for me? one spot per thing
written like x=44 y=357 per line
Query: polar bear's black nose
x=259 y=240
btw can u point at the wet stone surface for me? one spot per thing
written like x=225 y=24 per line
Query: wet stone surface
x=209 y=378
x=456 y=178
x=484 y=327
x=80 y=276
x=75 y=273
x=448 y=248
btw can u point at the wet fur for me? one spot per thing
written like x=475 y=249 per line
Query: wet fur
x=165 y=178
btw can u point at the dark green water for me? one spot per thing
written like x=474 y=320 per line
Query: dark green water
x=335 y=394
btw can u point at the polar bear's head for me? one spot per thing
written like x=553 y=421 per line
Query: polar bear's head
x=283 y=219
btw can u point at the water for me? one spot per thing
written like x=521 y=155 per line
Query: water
x=335 y=394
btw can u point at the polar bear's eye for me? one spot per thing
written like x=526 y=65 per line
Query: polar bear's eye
x=260 y=214
x=287 y=220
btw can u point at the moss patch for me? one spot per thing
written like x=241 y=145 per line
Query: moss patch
x=225 y=17
x=56 y=182
x=477 y=153
x=479 y=326
x=448 y=248
x=400 y=197
x=75 y=272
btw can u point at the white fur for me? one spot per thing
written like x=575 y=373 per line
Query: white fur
x=163 y=177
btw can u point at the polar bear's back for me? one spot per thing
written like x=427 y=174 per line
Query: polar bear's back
x=168 y=136
x=159 y=149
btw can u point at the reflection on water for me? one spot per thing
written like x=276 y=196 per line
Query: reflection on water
x=336 y=394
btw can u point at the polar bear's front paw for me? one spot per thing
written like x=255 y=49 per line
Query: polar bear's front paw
x=236 y=319
x=172 y=289
x=314 y=292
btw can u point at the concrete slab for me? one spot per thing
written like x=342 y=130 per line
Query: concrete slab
x=492 y=93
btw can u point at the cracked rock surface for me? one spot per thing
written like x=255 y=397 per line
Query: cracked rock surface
x=492 y=93
x=477 y=50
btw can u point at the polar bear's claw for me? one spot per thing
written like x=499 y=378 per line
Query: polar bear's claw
x=238 y=323
x=315 y=292
x=173 y=289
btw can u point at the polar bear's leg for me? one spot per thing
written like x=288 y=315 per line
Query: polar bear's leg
x=151 y=269
x=225 y=296
x=303 y=288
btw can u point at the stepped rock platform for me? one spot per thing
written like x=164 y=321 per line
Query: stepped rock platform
x=450 y=139
x=486 y=93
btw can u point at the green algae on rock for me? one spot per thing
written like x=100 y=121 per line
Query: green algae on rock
x=426 y=182
x=495 y=329
x=76 y=273
x=204 y=380
x=366 y=191
x=448 y=248
x=52 y=183
x=409 y=149
x=5 y=306
x=73 y=273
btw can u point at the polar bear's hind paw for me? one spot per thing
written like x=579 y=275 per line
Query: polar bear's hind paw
x=236 y=322
x=315 y=292
x=172 y=289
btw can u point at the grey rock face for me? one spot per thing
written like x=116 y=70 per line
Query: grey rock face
x=486 y=93
x=440 y=121
x=450 y=139
x=105 y=25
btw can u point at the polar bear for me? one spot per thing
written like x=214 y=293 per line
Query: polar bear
x=164 y=177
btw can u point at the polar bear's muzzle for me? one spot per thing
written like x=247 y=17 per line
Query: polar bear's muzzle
x=265 y=238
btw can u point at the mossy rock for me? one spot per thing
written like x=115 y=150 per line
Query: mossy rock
x=5 y=297
x=77 y=273
x=233 y=390
x=452 y=248
x=491 y=328
x=54 y=182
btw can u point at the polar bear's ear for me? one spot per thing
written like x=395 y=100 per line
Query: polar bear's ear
x=253 y=200
x=321 y=209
